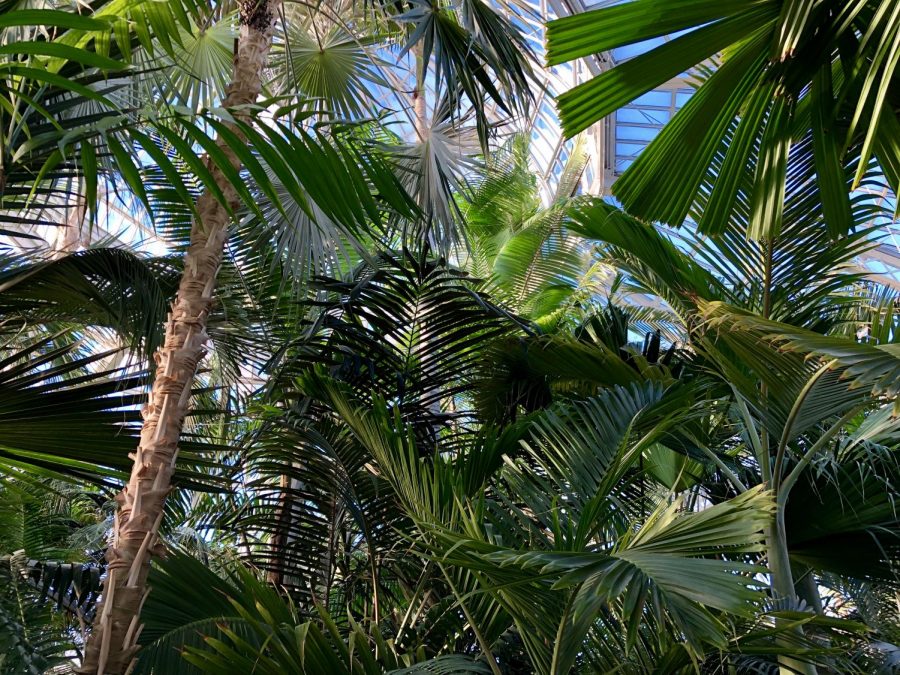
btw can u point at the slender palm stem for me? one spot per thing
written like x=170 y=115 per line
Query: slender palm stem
x=113 y=643
x=419 y=111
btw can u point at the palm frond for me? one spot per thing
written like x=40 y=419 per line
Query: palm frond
x=31 y=644
x=66 y=413
x=789 y=75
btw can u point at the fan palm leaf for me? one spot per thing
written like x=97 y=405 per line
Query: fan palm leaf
x=778 y=84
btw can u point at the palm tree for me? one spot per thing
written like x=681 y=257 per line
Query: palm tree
x=113 y=640
x=796 y=416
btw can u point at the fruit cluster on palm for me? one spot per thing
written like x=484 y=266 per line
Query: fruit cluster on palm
x=377 y=404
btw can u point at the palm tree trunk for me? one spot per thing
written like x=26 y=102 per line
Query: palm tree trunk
x=112 y=644
x=779 y=561
x=420 y=121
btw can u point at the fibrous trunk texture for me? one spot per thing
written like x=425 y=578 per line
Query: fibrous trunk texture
x=112 y=645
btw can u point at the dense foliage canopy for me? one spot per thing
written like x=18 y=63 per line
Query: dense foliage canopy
x=307 y=367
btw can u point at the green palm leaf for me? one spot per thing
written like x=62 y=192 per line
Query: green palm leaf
x=793 y=70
